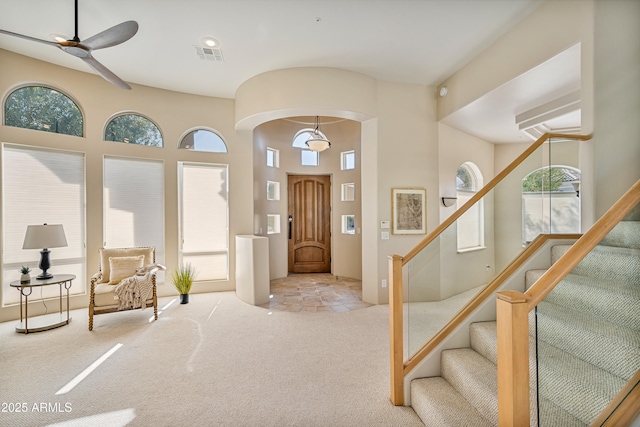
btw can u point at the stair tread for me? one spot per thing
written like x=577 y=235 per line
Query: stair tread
x=437 y=403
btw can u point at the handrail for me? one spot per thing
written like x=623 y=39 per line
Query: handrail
x=583 y=246
x=485 y=293
x=513 y=308
x=623 y=408
x=484 y=191
x=396 y=262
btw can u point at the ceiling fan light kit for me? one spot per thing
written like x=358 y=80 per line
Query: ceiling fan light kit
x=82 y=49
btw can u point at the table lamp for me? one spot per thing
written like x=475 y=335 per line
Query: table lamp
x=44 y=236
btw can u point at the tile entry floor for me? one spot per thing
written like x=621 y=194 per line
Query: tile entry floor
x=315 y=292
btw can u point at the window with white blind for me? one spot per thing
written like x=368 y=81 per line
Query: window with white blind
x=42 y=186
x=204 y=219
x=134 y=204
x=471 y=223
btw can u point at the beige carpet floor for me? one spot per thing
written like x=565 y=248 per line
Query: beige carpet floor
x=213 y=362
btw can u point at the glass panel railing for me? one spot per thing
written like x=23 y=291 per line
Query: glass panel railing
x=539 y=196
x=588 y=330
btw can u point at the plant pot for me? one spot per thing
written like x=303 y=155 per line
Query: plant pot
x=184 y=298
x=25 y=278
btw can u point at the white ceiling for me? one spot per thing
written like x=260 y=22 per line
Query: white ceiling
x=412 y=41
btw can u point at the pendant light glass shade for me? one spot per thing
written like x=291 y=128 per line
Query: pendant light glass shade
x=317 y=142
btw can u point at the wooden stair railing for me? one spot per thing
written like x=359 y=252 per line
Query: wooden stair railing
x=512 y=309
x=398 y=367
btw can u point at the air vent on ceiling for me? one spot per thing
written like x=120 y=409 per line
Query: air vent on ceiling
x=209 y=54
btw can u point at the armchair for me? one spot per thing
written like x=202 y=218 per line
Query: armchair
x=116 y=264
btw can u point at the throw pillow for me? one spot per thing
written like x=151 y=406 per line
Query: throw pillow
x=123 y=267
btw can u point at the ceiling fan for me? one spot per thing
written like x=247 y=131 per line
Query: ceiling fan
x=82 y=49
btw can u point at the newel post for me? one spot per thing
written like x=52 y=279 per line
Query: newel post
x=512 y=313
x=395 y=330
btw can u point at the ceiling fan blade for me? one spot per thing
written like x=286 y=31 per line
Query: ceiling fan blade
x=105 y=72
x=22 y=36
x=112 y=36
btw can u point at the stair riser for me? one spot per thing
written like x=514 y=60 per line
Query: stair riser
x=626 y=234
x=475 y=378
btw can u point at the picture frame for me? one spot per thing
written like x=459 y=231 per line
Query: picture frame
x=409 y=210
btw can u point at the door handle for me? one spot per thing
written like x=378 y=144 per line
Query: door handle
x=290 y=225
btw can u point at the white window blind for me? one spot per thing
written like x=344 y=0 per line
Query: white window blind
x=470 y=223
x=204 y=231
x=134 y=204
x=42 y=186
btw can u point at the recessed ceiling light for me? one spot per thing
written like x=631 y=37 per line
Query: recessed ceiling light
x=210 y=41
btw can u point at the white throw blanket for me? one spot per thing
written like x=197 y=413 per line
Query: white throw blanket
x=134 y=291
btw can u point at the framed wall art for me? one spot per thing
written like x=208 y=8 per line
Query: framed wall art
x=409 y=210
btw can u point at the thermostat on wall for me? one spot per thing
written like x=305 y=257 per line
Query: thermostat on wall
x=384 y=224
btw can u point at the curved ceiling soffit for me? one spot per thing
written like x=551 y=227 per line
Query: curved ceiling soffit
x=296 y=92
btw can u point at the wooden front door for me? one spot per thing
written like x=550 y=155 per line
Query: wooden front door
x=309 y=224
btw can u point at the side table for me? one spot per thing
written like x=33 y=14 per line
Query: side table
x=46 y=322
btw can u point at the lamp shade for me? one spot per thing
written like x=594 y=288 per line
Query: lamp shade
x=318 y=143
x=44 y=236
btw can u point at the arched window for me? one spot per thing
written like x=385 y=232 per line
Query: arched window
x=45 y=109
x=301 y=137
x=307 y=157
x=471 y=223
x=133 y=129
x=203 y=140
x=550 y=202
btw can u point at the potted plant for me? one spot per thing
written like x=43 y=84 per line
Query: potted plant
x=183 y=279
x=25 y=278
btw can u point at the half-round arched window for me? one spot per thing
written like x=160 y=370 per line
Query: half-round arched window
x=471 y=224
x=301 y=137
x=133 y=129
x=43 y=108
x=203 y=140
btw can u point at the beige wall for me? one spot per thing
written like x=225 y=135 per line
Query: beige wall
x=398 y=144
x=346 y=249
x=174 y=113
x=617 y=100
x=456 y=148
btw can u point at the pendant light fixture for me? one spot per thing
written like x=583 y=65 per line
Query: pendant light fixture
x=317 y=142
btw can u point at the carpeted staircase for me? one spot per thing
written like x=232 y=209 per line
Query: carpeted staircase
x=588 y=346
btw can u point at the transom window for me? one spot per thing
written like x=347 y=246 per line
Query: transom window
x=309 y=158
x=133 y=129
x=45 y=109
x=203 y=140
